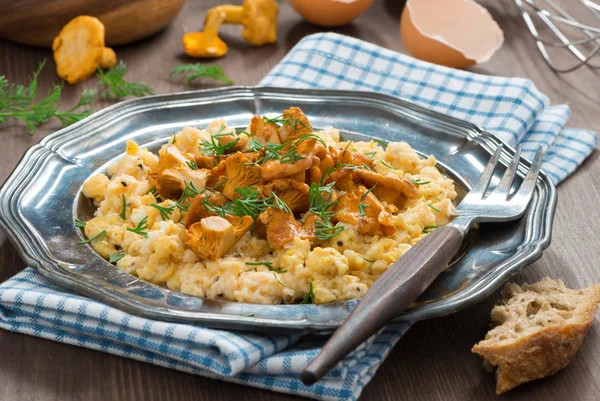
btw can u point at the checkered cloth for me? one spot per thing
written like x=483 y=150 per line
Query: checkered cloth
x=510 y=107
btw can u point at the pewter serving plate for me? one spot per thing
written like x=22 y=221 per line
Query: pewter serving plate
x=42 y=197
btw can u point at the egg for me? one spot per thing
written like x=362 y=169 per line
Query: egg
x=452 y=33
x=331 y=13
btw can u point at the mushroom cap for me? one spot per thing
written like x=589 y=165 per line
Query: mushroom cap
x=199 y=45
x=78 y=48
x=213 y=236
x=240 y=173
x=197 y=211
x=109 y=58
x=260 y=21
x=171 y=183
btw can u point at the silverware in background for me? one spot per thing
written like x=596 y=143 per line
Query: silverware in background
x=409 y=276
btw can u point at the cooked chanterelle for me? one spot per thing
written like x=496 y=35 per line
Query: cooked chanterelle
x=278 y=213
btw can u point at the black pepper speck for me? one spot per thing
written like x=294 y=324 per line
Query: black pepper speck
x=124 y=184
x=340 y=243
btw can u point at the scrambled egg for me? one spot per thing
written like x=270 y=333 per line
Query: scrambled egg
x=341 y=268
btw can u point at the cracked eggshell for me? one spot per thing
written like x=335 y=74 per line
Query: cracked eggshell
x=452 y=33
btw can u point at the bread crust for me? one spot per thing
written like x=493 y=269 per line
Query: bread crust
x=541 y=353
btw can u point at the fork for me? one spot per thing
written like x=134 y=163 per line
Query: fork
x=409 y=276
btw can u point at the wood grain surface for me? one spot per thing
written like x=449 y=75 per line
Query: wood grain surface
x=433 y=361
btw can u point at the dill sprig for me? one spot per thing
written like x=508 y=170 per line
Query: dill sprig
x=368 y=260
x=361 y=208
x=141 y=228
x=193 y=165
x=431 y=206
x=215 y=147
x=387 y=164
x=428 y=229
x=268 y=265
x=189 y=191
x=165 y=212
x=310 y=297
x=79 y=223
x=198 y=70
x=364 y=195
x=17 y=102
x=370 y=155
x=96 y=238
x=250 y=204
x=123 y=207
x=114 y=85
x=280 y=204
x=116 y=257
x=324 y=229
x=218 y=185
x=418 y=181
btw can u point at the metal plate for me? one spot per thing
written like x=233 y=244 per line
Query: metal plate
x=39 y=201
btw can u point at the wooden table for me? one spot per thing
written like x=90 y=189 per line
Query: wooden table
x=433 y=361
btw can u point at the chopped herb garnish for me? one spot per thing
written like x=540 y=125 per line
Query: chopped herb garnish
x=220 y=210
x=214 y=146
x=428 y=229
x=361 y=208
x=370 y=155
x=386 y=164
x=249 y=315
x=369 y=260
x=79 y=223
x=310 y=297
x=281 y=204
x=141 y=228
x=347 y=146
x=193 y=165
x=218 y=185
x=174 y=139
x=116 y=257
x=165 y=212
x=153 y=191
x=431 y=206
x=188 y=192
x=326 y=231
x=96 y=238
x=249 y=204
x=198 y=70
x=268 y=265
x=279 y=281
x=363 y=196
x=123 y=207
x=418 y=181
x=115 y=87
x=381 y=142
x=310 y=136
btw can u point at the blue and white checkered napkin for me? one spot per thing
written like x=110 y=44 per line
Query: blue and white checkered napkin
x=510 y=107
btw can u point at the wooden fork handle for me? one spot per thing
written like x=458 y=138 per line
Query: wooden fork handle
x=392 y=293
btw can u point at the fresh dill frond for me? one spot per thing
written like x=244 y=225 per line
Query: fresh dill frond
x=114 y=85
x=123 y=207
x=428 y=229
x=165 y=212
x=361 y=208
x=96 y=238
x=368 y=260
x=310 y=297
x=116 y=257
x=431 y=206
x=220 y=184
x=79 y=223
x=364 y=195
x=215 y=147
x=279 y=281
x=381 y=142
x=268 y=265
x=386 y=164
x=188 y=192
x=370 y=155
x=193 y=165
x=281 y=204
x=326 y=231
x=419 y=182
x=199 y=70
x=17 y=102
x=141 y=228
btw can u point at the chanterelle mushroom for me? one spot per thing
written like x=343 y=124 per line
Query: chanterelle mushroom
x=388 y=187
x=196 y=209
x=171 y=183
x=291 y=192
x=362 y=209
x=213 y=236
x=240 y=172
x=282 y=227
x=259 y=18
x=79 y=49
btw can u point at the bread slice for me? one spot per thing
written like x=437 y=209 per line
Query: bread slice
x=539 y=328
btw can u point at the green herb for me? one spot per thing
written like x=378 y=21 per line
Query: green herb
x=249 y=315
x=96 y=238
x=116 y=257
x=193 y=165
x=364 y=195
x=431 y=206
x=268 y=265
x=369 y=260
x=141 y=228
x=220 y=210
x=218 y=185
x=366 y=167
x=174 y=139
x=165 y=212
x=198 y=70
x=347 y=146
x=381 y=142
x=279 y=120
x=418 y=181
x=326 y=231
x=370 y=155
x=310 y=297
x=114 y=85
x=386 y=164
x=291 y=156
x=188 y=192
x=428 y=229
x=17 y=101
x=361 y=208
x=436 y=198
x=153 y=191
x=326 y=173
x=214 y=146
x=123 y=207
x=249 y=204
x=279 y=281
x=310 y=136
x=281 y=204
x=79 y=223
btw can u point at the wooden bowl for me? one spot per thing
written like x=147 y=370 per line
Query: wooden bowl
x=37 y=22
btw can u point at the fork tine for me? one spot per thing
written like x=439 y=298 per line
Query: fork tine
x=484 y=179
x=530 y=180
x=509 y=175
